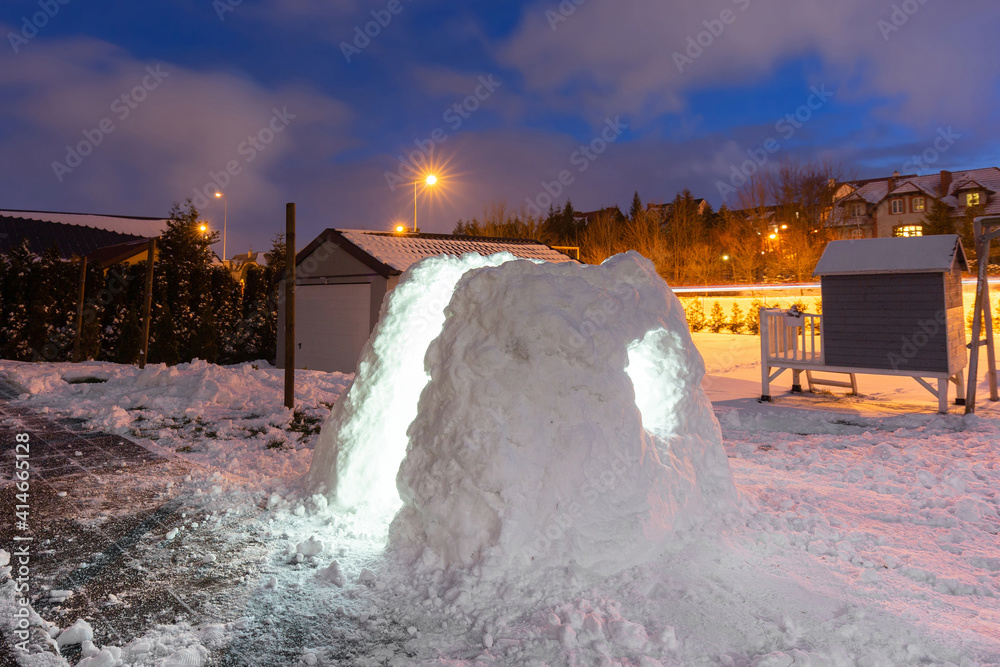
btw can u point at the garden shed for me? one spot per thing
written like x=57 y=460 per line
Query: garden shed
x=891 y=306
x=342 y=277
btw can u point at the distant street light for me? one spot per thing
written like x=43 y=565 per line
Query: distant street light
x=430 y=180
x=225 y=216
x=203 y=228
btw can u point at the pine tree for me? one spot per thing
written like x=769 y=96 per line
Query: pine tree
x=636 y=207
x=938 y=219
x=753 y=317
x=163 y=345
x=276 y=256
x=737 y=321
x=183 y=285
x=716 y=318
x=695 y=316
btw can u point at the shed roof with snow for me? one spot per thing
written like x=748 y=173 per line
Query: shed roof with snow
x=343 y=276
x=912 y=254
x=75 y=234
x=389 y=254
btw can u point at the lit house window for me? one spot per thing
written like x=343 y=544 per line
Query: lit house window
x=972 y=199
x=919 y=204
x=857 y=234
x=897 y=206
x=908 y=230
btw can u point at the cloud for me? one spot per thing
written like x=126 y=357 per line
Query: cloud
x=151 y=133
x=620 y=57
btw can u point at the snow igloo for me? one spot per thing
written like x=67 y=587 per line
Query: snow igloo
x=508 y=415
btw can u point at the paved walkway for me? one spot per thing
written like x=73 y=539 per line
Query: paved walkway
x=100 y=505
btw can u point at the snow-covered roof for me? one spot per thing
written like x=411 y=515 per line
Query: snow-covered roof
x=875 y=190
x=121 y=224
x=398 y=252
x=906 y=188
x=912 y=254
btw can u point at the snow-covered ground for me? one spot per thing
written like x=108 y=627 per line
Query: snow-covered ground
x=868 y=533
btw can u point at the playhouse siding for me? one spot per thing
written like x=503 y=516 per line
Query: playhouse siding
x=889 y=321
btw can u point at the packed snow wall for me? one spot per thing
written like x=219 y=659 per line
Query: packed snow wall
x=363 y=441
x=561 y=421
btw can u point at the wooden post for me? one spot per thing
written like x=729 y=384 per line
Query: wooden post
x=147 y=302
x=765 y=353
x=78 y=343
x=985 y=233
x=290 y=306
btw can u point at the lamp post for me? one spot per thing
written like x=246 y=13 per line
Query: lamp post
x=430 y=180
x=225 y=216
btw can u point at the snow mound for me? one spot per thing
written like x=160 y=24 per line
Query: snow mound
x=564 y=423
x=360 y=446
x=561 y=418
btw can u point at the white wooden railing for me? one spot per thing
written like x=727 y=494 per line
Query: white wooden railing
x=786 y=338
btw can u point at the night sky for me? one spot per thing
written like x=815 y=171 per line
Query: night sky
x=126 y=107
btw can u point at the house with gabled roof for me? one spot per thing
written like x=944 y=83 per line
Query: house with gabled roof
x=898 y=205
x=586 y=217
x=343 y=275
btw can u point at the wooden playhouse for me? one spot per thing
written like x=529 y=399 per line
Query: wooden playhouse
x=891 y=306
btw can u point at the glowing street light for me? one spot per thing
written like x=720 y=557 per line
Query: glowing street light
x=203 y=228
x=430 y=180
x=225 y=215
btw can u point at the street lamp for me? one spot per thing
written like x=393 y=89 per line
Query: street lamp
x=225 y=216
x=430 y=180
x=203 y=228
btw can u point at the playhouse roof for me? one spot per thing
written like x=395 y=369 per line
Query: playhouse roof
x=911 y=254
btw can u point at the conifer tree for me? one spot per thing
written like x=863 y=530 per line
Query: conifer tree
x=737 y=320
x=938 y=219
x=163 y=345
x=636 y=207
x=716 y=318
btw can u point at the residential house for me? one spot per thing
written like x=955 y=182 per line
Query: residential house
x=897 y=205
x=588 y=217
x=666 y=210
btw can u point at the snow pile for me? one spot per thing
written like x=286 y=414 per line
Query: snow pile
x=529 y=444
x=360 y=447
x=564 y=423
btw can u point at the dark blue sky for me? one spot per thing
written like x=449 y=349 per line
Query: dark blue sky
x=264 y=89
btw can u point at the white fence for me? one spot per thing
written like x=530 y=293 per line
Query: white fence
x=785 y=338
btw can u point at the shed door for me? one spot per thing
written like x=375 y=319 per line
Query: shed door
x=332 y=324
